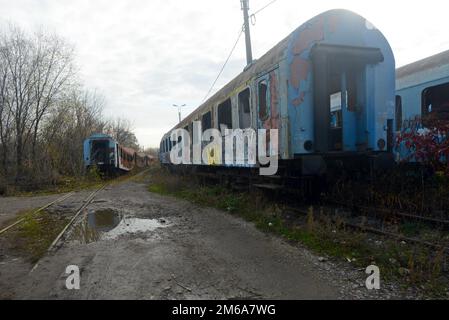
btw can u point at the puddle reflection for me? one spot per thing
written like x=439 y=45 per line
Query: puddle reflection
x=108 y=224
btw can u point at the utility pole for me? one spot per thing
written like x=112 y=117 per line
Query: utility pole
x=179 y=110
x=249 y=53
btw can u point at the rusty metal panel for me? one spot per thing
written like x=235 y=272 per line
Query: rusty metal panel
x=338 y=28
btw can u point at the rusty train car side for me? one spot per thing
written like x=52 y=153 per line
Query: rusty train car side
x=109 y=156
x=422 y=106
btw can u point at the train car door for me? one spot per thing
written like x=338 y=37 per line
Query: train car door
x=268 y=107
x=340 y=96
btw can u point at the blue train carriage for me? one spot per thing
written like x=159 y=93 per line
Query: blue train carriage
x=105 y=153
x=328 y=88
x=422 y=95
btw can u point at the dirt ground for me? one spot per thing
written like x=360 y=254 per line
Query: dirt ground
x=133 y=244
x=11 y=206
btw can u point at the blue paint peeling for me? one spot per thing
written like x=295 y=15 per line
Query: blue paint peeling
x=342 y=27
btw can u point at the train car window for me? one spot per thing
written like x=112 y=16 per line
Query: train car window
x=398 y=113
x=335 y=110
x=206 y=121
x=244 y=109
x=225 y=116
x=435 y=103
x=263 y=108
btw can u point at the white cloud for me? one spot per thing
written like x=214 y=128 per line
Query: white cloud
x=146 y=55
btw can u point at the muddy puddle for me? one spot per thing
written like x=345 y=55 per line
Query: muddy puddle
x=109 y=224
x=103 y=220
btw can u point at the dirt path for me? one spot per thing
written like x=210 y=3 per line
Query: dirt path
x=11 y=206
x=151 y=247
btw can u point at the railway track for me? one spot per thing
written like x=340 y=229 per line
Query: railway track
x=4 y=230
x=85 y=203
x=390 y=213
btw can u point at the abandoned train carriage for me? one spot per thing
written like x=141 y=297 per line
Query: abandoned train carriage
x=328 y=88
x=422 y=88
x=108 y=155
x=422 y=104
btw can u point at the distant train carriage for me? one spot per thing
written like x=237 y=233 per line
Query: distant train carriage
x=329 y=90
x=143 y=160
x=422 y=100
x=422 y=88
x=108 y=155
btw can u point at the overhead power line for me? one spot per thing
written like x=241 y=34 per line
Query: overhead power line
x=264 y=7
x=253 y=20
x=224 y=65
x=253 y=16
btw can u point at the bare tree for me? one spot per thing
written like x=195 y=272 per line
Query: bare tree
x=54 y=69
x=5 y=118
x=45 y=113
x=152 y=152
x=121 y=130
x=78 y=115
x=34 y=72
x=18 y=58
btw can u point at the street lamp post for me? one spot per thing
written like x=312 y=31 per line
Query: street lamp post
x=179 y=110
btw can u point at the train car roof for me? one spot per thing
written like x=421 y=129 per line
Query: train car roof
x=100 y=136
x=265 y=63
x=128 y=150
x=423 y=71
x=432 y=62
x=268 y=60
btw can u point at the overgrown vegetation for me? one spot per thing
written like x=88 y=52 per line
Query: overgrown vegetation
x=413 y=266
x=407 y=189
x=32 y=238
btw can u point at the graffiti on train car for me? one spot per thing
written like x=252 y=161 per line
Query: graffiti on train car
x=236 y=141
x=425 y=141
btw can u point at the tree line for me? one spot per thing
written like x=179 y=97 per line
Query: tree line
x=45 y=110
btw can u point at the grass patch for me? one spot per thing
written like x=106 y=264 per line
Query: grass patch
x=411 y=265
x=36 y=233
x=91 y=180
x=64 y=185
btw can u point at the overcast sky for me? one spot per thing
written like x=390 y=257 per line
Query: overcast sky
x=145 y=55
